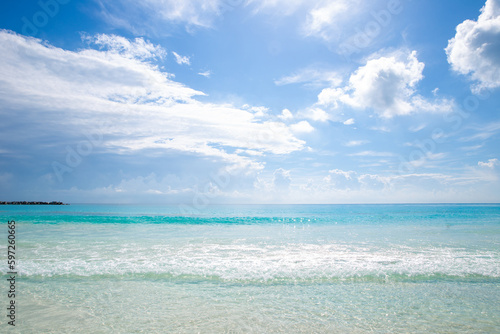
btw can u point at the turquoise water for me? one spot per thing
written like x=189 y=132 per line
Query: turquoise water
x=255 y=269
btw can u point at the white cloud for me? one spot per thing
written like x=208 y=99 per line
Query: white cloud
x=350 y=121
x=424 y=159
x=249 y=152
x=260 y=111
x=302 y=127
x=372 y=154
x=475 y=184
x=285 y=7
x=146 y=16
x=72 y=93
x=341 y=186
x=311 y=76
x=352 y=181
x=138 y=49
x=181 y=60
x=490 y=164
x=417 y=128
x=150 y=14
x=472 y=148
x=385 y=84
x=326 y=18
x=475 y=49
x=193 y=12
x=315 y=114
x=285 y=115
x=205 y=74
x=329 y=20
x=356 y=143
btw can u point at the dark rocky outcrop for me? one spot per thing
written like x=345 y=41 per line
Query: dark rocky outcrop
x=32 y=203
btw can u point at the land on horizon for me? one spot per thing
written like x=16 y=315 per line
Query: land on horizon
x=32 y=203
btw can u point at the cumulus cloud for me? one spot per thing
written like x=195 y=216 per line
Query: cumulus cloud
x=315 y=114
x=478 y=184
x=285 y=115
x=302 y=127
x=475 y=49
x=72 y=93
x=342 y=185
x=385 y=84
x=352 y=181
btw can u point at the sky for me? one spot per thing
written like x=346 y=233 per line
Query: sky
x=250 y=101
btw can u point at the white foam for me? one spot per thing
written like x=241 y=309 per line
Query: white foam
x=262 y=261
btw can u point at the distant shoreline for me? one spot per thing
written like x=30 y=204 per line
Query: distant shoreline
x=32 y=203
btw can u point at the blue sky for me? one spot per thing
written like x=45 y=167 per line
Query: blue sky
x=246 y=101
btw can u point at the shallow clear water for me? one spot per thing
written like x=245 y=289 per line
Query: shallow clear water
x=261 y=269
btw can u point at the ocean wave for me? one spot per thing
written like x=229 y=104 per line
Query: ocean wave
x=260 y=262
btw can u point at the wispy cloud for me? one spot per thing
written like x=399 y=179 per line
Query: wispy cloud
x=417 y=128
x=325 y=18
x=372 y=154
x=138 y=48
x=205 y=74
x=181 y=60
x=471 y=148
x=145 y=108
x=191 y=13
x=483 y=132
x=353 y=143
x=311 y=76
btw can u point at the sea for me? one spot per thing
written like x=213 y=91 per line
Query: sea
x=87 y=268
